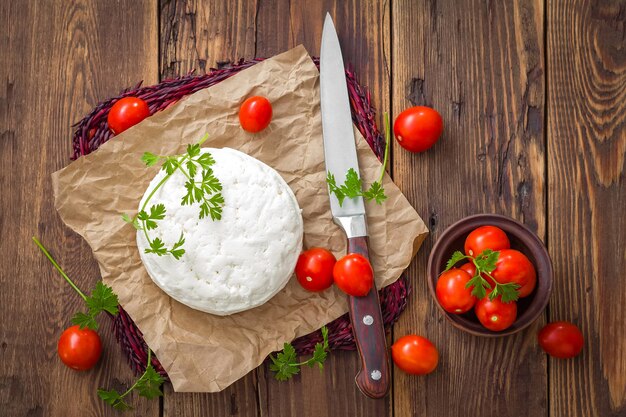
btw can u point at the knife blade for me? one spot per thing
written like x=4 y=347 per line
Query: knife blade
x=340 y=156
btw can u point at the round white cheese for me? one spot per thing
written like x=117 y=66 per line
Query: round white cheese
x=232 y=264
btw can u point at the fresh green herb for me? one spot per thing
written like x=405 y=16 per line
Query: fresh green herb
x=485 y=263
x=102 y=297
x=352 y=187
x=285 y=364
x=148 y=385
x=207 y=192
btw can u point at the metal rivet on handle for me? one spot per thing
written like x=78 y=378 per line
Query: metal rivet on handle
x=368 y=320
x=376 y=375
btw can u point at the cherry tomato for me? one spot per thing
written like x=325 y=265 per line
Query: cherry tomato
x=127 y=112
x=314 y=269
x=451 y=292
x=418 y=128
x=415 y=355
x=255 y=114
x=353 y=275
x=486 y=237
x=561 y=339
x=495 y=315
x=514 y=266
x=79 y=348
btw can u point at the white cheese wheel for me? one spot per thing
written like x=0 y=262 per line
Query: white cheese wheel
x=238 y=262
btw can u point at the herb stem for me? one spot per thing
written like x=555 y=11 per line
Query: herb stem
x=167 y=177
x=387 y=141
x=138 y=379
x=56 y=265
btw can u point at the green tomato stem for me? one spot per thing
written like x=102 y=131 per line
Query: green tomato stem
x=56 y=265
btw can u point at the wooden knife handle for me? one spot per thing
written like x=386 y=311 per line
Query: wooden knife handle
x=369 y=334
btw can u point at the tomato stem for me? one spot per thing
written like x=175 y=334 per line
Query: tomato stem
x=56 y=265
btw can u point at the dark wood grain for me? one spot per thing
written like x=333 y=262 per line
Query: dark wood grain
x=370 y=337
x=58 y=59
x=587 y=199
x=481 y=64
x=481 y=67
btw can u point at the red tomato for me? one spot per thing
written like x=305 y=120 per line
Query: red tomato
x=561 y=339
x=79 y=348
x=514 y=266
x=354 y=275
x=494 y=314
x=415 y=355
x=127 y=112
x=314 y=269
x=418 y=128
x=255 y=114
x=486 y=237
x=452 y=294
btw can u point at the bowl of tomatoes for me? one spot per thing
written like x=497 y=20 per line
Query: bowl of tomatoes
x=490 y=275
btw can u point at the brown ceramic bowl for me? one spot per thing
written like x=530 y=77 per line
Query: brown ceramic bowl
x=522 y=239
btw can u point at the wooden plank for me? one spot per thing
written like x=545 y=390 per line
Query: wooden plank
x=481 y=67
x=197 y=35
x=58 y=60
x=200 y=35
x=587 y=229
x=363 y=29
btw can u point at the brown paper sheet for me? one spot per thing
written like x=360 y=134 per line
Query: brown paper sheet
x=203 y=352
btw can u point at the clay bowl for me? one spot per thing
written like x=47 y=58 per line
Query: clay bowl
x=522 y=239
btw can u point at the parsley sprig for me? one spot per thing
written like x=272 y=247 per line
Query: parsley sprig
x=285 y=363
x=352 y=187
x=102 y=298
x=206 y=191
x=148 y=385
x=485 y=263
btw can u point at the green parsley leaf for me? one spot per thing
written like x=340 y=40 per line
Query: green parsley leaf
x=171 y=164
x=157 y=212
x=193 y=150
x=486 y=260
x=375 y=192
x=114 y=399
x=102 y=299
x=131 y=220
x=157 y=247
x=191 y=168
x=285 y=364
x=508 y=292
x=352 y=186
x=150 y=159
x=332 y=187
x=457 y=256
x=85 y=321
x=479 y=284
x=149 y=385
x=205 y=160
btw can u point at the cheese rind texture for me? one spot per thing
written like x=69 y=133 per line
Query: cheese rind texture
x=236 y=263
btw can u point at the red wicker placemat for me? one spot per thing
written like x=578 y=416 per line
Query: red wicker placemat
x=93 y=130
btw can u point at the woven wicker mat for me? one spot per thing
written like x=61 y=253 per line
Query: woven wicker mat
x=93 y=130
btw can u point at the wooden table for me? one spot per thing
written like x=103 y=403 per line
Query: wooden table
x=533 y=95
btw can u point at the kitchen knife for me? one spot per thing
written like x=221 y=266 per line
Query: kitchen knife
x=340 y=155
